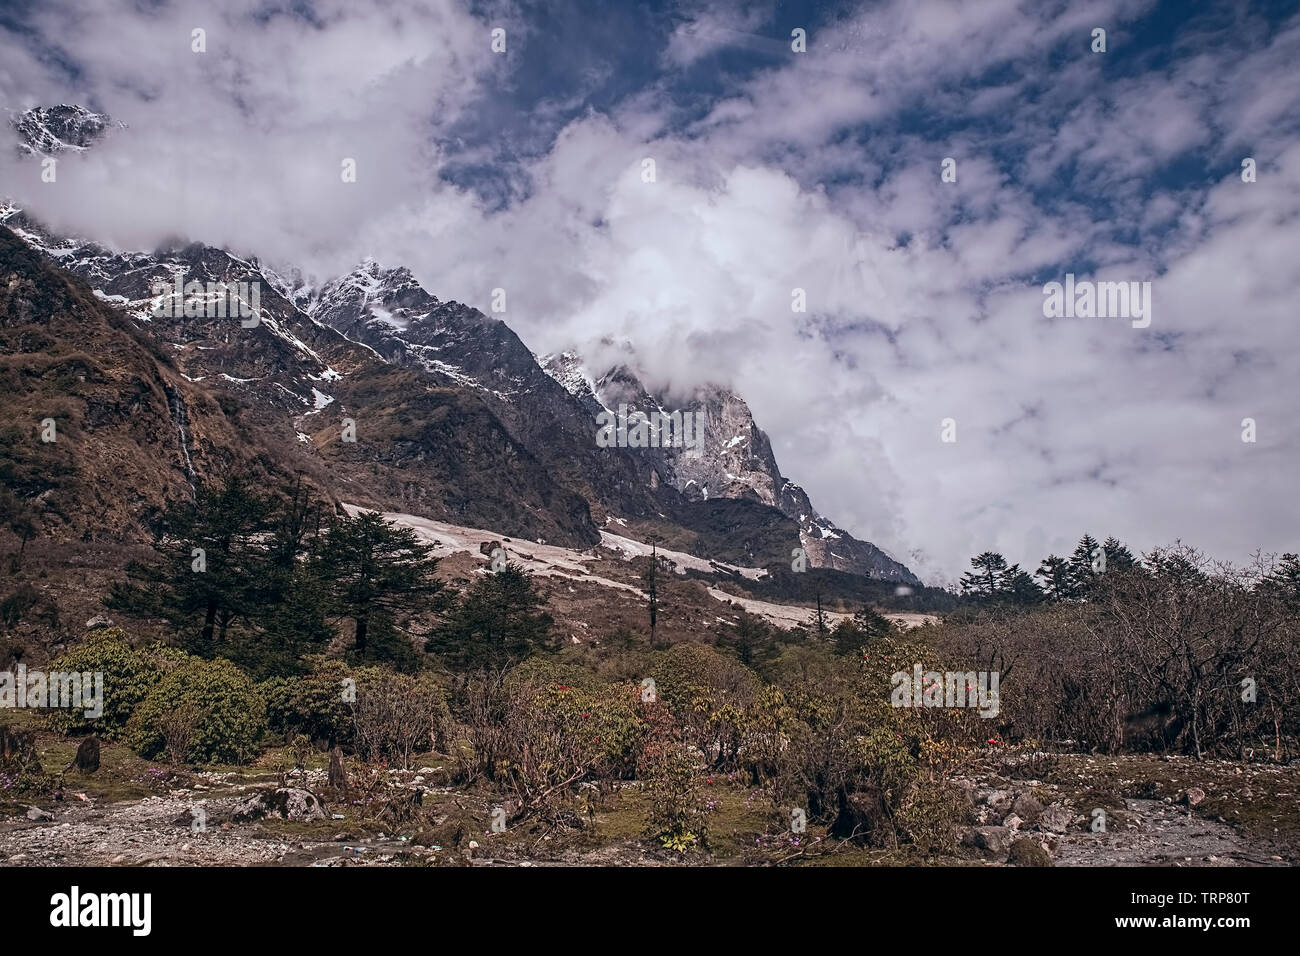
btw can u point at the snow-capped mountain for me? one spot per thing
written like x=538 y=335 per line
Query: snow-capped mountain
x=55 y=129
x=737 y=461
x=456 y=419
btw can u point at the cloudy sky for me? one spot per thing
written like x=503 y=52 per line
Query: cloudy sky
x=776 y=170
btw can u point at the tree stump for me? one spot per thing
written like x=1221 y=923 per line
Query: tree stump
x=338 y=776
x=18 y=750
x=87 y=758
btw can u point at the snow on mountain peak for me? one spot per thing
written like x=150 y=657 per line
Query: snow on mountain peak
x=53 y=129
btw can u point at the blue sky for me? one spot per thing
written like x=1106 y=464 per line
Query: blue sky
x=778 y=170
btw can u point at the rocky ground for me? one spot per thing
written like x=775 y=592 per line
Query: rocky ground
x=1039 y=811
x=1077 y=810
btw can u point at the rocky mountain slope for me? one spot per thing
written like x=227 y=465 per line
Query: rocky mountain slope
x=737 y=463
x=453 y=417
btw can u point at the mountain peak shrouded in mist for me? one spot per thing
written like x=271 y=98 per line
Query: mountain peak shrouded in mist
x=737 y=463
x=53 y=129
x=546 y=406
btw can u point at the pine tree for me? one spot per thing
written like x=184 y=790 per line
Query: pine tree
x=1054 y=572
x=651 y=579
x=376 y=572
x=850 y=637
x=985 y=582
x=1118 y=557
x=750 y=637
x=1083 y=573
x=1018 y=587
x=210 y=564
x=1284 y=580
x=496 y=623
x=290 y=614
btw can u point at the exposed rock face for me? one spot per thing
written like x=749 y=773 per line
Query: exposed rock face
x=737 y=462
x=55 y=129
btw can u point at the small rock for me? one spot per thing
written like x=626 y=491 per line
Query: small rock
x=1012 y=823
x=37 y=815
x=98 y=622
x=1193 y=796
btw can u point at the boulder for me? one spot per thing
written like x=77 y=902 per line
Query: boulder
x=1192 y=796
x=994 y=842
x=1027 y=808
x=288 y=803
x=98 y=622
x=1056 y=818
x=1028 y=852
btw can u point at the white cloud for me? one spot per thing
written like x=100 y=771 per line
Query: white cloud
x=806 y=175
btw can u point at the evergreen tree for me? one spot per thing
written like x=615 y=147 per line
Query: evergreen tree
x=1054 y=572
x=1083 y=573
x=986 y=581
x=1118 y=557
x=1018 y=587
x=495 y=623
x=751 y=638
x=210 y=565
x=290 y=612
x=852 y=636
x=1284 y=580
x=18 y=516
x=376 y=572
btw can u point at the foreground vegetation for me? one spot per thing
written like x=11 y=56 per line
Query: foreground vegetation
x=311 y=640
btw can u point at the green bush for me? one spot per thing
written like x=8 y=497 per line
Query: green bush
x=312 y=705
x=229 y=713
x=129 y=675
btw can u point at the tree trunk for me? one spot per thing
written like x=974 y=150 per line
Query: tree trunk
x=210 y=622
x=360 y=643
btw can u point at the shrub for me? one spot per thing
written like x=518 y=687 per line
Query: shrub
x=678 y=815
x=398 y=715
x=129 y=675
x=311 y=705
x=232 y=714
x=707 y=693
